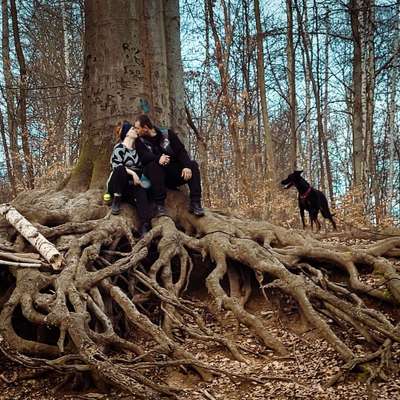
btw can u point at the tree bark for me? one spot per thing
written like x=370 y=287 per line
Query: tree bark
x=291 y=73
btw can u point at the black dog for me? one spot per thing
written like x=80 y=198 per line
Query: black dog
x=310 y=199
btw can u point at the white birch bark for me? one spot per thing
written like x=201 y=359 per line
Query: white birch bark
x=31 y=234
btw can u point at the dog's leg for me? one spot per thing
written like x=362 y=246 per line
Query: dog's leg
x=302 y=216
x=314 y=219
x=317 y=223
x=325 y=211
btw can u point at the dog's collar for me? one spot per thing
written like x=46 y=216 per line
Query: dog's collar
x=304 y=196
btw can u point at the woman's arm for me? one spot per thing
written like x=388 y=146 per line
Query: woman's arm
x=134 y=175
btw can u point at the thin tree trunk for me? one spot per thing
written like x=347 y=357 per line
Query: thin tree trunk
x=326 y=110
x=308 y=135
x=291 y=73
x=7 y=155
x=203 y=159
x=392 y=129
x=10 y=99
x=322 y=141
x=269 y=145
x=370 y=159
x=67 y=134
x=357 y=95
x=23 y=93
x=222 y=58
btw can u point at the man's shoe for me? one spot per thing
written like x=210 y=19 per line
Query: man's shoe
x=160 y=210
x=144 y=229
x=196 y=208
x=116 y=205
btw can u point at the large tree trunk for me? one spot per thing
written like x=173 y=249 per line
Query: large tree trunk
x=140 y=78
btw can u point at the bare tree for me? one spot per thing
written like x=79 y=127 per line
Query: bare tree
x=291 y=72
x=10 y=100
x=269 y=144
x=22 y=98
x=357 y=112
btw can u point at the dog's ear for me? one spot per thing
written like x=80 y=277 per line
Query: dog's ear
x=298 y=172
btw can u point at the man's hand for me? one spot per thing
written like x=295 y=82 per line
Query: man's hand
x=164 y=160
x=186 y=174
x=135 y=177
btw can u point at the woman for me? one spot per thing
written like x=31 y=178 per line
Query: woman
x=124 y=182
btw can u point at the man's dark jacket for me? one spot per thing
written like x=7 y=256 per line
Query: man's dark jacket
x=151 y=148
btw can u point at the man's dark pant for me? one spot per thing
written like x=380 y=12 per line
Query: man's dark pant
x=121 y=182
x=169 y=176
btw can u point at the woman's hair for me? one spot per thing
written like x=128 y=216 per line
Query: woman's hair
x=144 y=120
x=122 y=129
x=117 y=131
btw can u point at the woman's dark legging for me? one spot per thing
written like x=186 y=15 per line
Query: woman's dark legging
x=121 y=182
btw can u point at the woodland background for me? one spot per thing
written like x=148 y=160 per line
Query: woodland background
x=270 y=86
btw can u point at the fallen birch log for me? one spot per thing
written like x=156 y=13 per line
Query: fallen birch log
x=32 y=235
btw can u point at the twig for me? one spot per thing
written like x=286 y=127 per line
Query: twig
x=207 y=394
x=20 y=264
x=18 y=257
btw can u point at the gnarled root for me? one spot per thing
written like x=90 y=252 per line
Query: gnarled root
x=117 y=307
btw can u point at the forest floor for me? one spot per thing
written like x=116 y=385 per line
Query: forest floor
x=301 y=375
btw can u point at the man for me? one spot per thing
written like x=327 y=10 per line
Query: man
x=167 y=164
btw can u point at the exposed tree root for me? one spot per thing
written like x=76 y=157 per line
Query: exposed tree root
x=116 y=309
